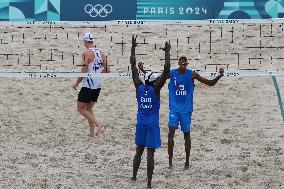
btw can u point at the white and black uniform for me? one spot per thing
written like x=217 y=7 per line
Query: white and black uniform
x=92 y=85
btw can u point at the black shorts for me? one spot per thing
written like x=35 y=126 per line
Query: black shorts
x=87 y=95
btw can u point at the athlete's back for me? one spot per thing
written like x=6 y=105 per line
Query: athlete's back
x=96 y=66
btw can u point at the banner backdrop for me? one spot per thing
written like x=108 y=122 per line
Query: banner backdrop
x=106 y=10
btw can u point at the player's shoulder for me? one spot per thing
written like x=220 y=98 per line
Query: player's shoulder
x=194 y=74
x=189 y=71
x=140 y=87
x=175 y=70
x=88 y=52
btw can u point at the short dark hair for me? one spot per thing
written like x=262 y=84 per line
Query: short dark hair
x=182 y=58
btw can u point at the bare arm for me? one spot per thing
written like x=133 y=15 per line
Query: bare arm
x=135 y=74
x=167 y=66
x=208 y=82
x=105 y=63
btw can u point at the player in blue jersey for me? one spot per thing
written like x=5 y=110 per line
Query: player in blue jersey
x=181 y=88
x=148 y=99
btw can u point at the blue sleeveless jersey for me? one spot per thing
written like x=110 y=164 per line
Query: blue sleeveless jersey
x=148 y=106
x=181 y=89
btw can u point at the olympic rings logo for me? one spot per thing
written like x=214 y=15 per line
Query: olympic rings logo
x=98 y=10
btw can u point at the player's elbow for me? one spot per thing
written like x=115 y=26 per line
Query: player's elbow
x=84 y=69
x=210 y=83
x=167 y=69
x=106 y=70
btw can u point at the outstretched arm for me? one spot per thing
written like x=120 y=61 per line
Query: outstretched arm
x=167 y=66
x=135 y=73
x=208 y=82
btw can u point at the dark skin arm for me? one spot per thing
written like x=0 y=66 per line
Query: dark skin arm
x=166 y=72
x=208 y=82
x=135 y=74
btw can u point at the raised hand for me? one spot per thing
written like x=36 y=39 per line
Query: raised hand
x=167 y=47
x=74 y=86
x=134 y=43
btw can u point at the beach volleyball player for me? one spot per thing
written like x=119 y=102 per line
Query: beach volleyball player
x=148 y=99
x=181 y=88
x=93 y=61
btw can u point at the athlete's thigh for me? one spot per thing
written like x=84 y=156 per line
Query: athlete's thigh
x=185 y=121
x=140 y=135
x=81 y=105
x=90 y=106
x=173 y=119
x=153 y=136
x=84 y=95
x=95 y=95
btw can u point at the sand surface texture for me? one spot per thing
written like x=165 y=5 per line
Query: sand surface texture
x=237 y=128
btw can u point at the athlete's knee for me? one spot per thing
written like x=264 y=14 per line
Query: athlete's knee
x=187 y=141
x=137 y=158
x=139 y=151
x=150 y=158
x=150 y=164
x=89 y=108
x=171 y=135
x=186 y=135
x=171 y=132
x=91 y=121
x=80 y=108
x=150 y=152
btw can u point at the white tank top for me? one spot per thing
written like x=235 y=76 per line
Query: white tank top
x=94 y=67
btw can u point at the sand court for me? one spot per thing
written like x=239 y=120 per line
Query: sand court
x=237 y=127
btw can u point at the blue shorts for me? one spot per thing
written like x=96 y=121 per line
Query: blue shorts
x=182 y=119
x=148 y=136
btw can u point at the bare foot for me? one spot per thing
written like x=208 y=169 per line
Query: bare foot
x=92 y=131
x=98 y=130
x=186 y=166
x=92 y=135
